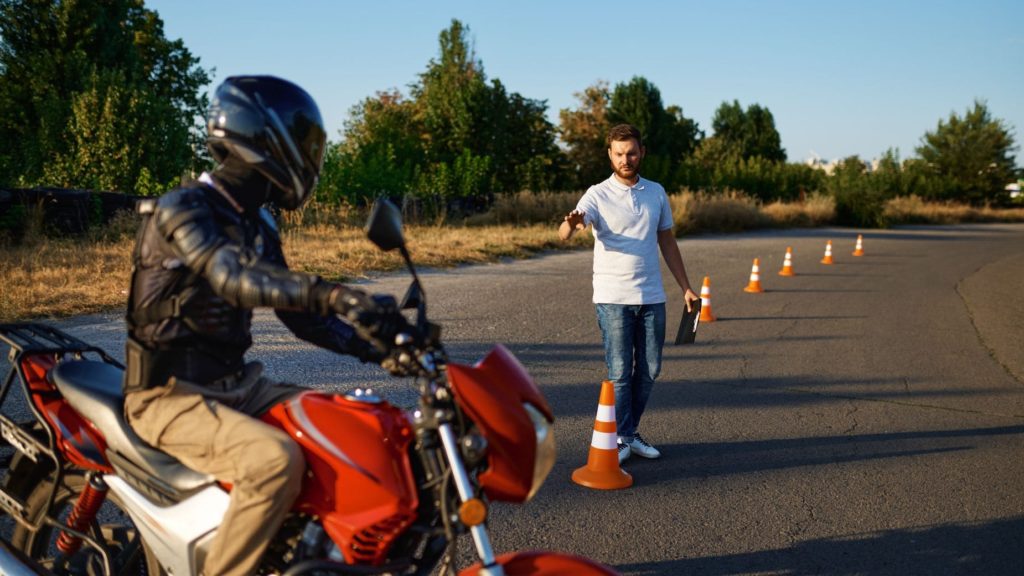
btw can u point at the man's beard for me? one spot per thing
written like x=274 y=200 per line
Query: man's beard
x=628 y=173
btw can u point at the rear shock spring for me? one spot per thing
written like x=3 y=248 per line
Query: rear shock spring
x=83 y=514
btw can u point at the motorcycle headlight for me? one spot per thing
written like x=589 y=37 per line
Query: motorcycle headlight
x=544 y=460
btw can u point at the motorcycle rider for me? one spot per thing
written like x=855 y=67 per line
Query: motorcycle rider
x=207 y=254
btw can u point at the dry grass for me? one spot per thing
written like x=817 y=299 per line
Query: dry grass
x=59 y=277
x=46 y=277
x=727 y=212
x=818 y=210
x=527 y=208
x=914 y=210
x=63 y=278
x=342 y=254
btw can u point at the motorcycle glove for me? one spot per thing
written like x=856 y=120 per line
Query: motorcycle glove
x=376 y=318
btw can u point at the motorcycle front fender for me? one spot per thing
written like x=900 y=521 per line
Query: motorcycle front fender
x=541 y=563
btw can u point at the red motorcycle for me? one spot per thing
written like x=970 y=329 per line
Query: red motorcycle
x=387 y=491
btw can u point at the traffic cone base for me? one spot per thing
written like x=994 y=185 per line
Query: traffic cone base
x=705 y=302
x=603 y=473
x=602 y=470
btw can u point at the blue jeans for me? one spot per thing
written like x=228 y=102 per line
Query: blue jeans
x=633 y=337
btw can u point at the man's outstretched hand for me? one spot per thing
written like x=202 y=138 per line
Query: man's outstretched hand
x=572 y=222
x=575 y=220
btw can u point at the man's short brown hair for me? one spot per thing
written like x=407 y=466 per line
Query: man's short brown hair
x=623 y=132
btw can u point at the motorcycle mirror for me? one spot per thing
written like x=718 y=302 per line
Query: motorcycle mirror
x=384 y=227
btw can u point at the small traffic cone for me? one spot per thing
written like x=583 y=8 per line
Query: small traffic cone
x=602 y=470
x=859 y=250
x=828 y=254
x=705 y=302
x=787 y=264
x=755 y=278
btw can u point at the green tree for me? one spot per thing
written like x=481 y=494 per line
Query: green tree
x=888 y=179
x=458 y=138
x=973 y=154
x=638 y=102
x=93 y=95
x=516 y=134
x=378 y=155
x=669 y=137
x=858 y=202
x=584 y=130
x=763 y=140
x=449 y=96
x=748 y=133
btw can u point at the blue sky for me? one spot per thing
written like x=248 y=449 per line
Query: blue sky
x=840 y=78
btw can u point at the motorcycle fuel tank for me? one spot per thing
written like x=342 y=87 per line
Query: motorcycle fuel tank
x=359 y=479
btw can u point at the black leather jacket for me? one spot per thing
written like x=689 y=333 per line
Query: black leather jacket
x=199 y=268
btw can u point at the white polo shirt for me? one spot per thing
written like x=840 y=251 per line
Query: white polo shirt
x=626 y=221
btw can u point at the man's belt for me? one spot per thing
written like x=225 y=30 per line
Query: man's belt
x=147 y=368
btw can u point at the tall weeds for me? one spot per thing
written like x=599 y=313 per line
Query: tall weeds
x=46 y=276
x=914 y=210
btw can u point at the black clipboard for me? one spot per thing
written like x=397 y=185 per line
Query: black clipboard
x=688 y=324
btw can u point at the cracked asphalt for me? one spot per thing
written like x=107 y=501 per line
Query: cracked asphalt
x=860 y=418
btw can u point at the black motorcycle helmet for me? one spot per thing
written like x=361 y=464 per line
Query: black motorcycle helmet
x=273 y=126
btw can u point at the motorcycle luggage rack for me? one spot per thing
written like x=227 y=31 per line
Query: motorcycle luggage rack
x=31 y=338
x=35 y=339
x=25 y=340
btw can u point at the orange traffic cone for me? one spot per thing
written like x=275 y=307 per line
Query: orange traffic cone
x=602 y=470
x=755 y=278
x=705 y=302
x=828 y=253
x=859 y=250
x=787 y=264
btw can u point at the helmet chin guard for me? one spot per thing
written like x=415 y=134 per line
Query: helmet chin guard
x=272 y=126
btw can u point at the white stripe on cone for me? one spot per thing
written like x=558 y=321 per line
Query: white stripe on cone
x=605 y=440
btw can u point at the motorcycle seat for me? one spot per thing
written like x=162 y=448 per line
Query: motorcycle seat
x=93 y=388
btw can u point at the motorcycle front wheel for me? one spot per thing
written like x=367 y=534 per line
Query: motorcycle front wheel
x=113 y=528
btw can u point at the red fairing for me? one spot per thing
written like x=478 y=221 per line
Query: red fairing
x=493 y=393
x=360 y=481
x=76 y=438
x=536 y=563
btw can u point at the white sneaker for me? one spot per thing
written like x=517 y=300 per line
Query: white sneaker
x=640 y=447
x=624 y=452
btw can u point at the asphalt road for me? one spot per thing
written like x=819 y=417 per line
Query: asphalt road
x=860 y=418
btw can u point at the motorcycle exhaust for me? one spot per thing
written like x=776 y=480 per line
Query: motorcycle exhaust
x=15 y=563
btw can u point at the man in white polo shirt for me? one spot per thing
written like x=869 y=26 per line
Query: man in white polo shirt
x=632 y=222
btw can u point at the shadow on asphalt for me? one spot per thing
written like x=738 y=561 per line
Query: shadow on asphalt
x=836 y=317
x=713 y=459
x=809 y=290
x=924 y=232
x=737 y=393
x=990 y=548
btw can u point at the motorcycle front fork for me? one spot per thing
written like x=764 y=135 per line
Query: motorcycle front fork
x=481 y=539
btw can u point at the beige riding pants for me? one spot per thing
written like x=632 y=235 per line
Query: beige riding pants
x=210 y=430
